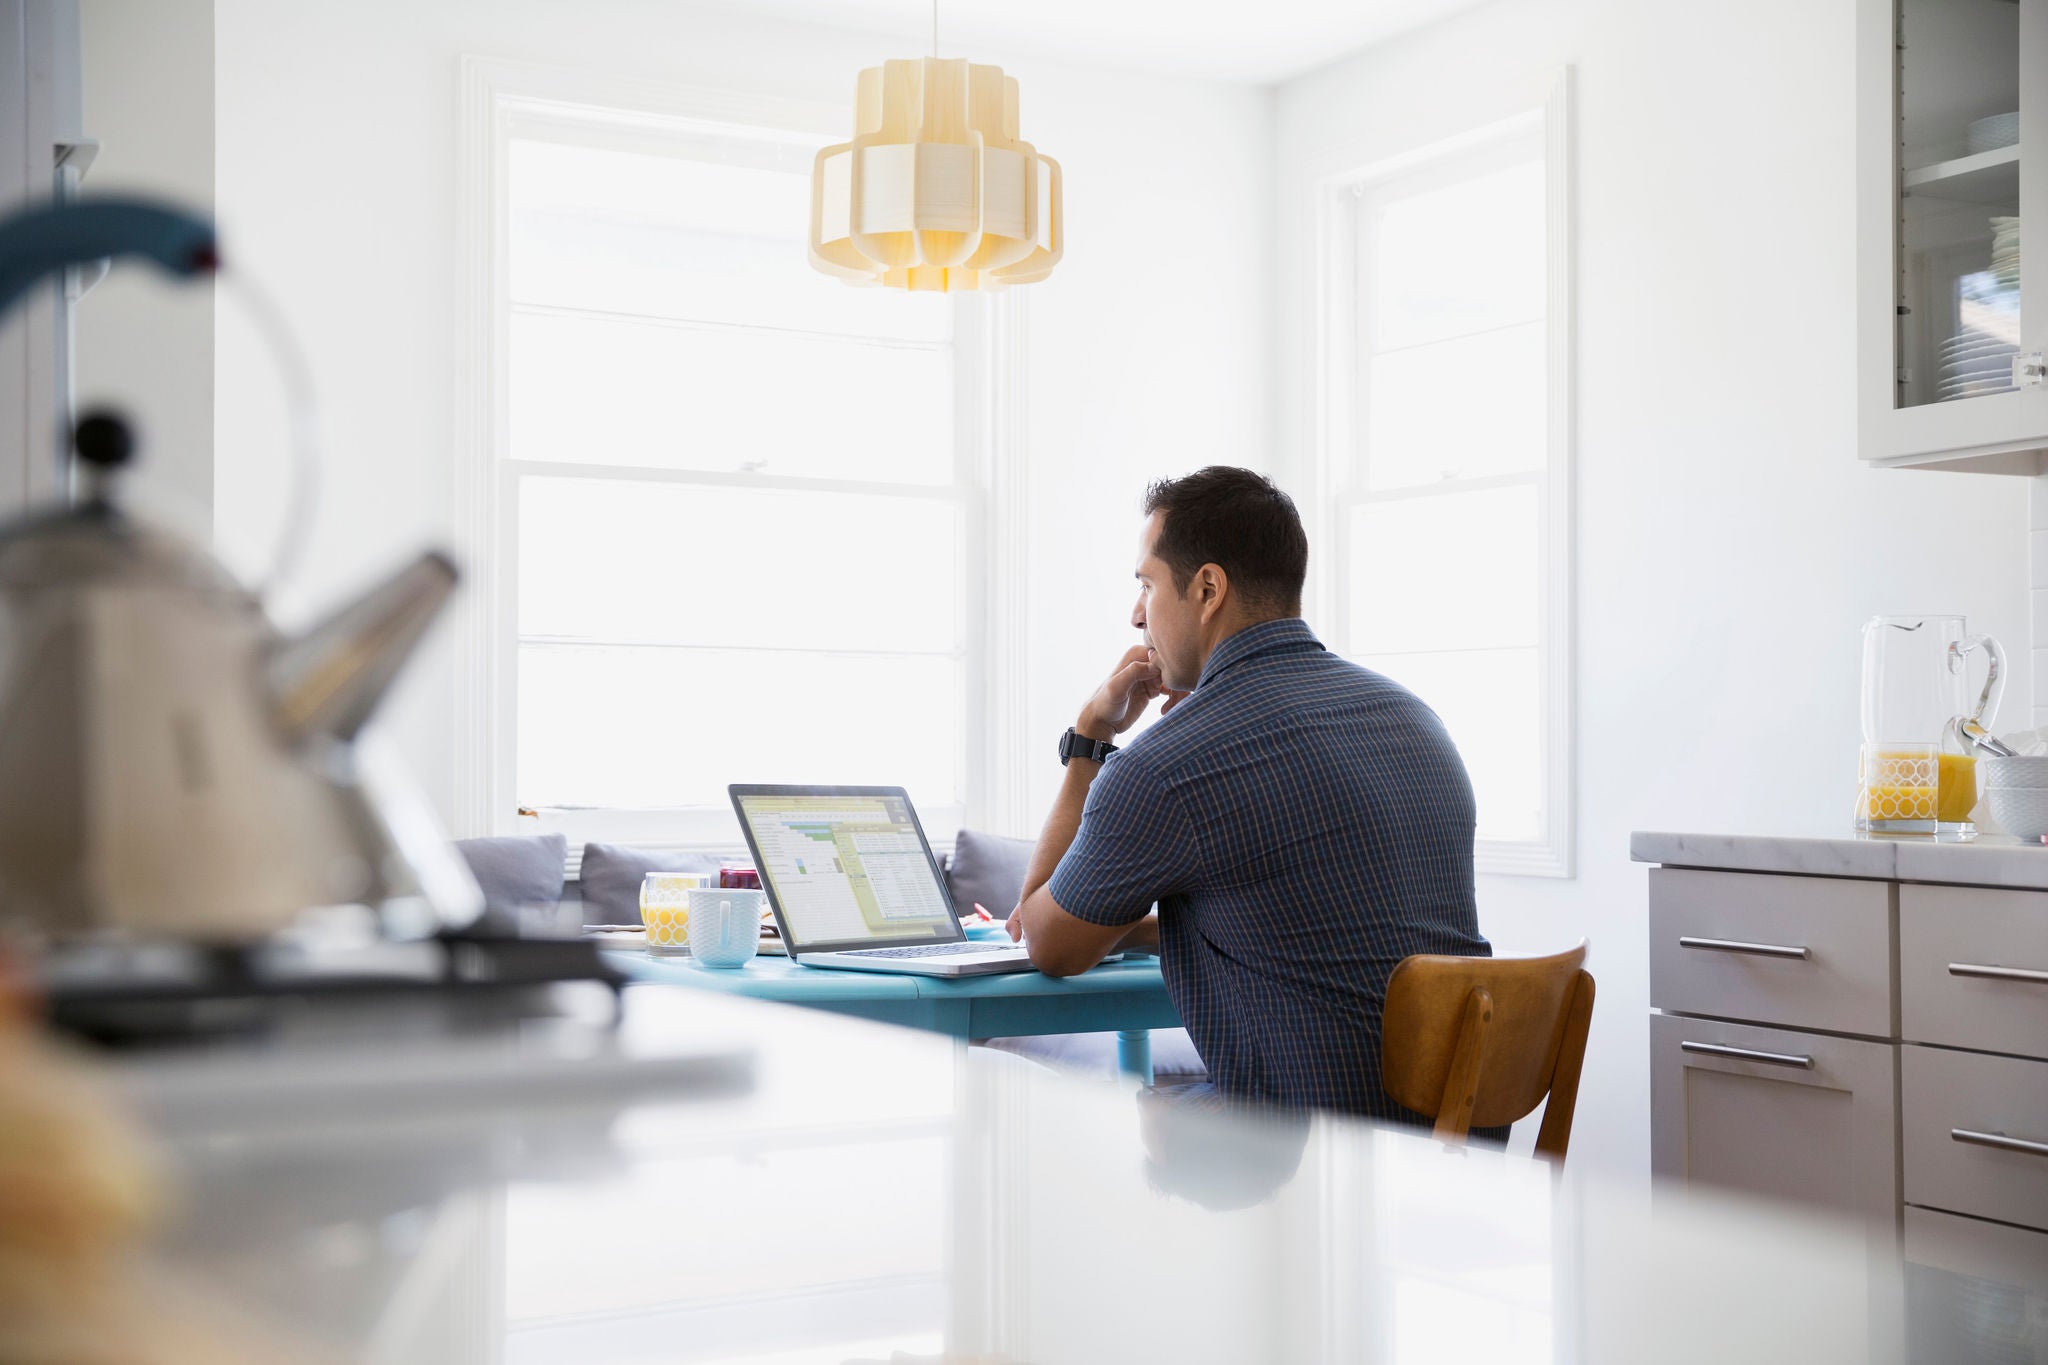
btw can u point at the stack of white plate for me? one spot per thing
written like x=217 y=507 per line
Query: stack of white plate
x=1988 y=134
x=1973 y=364
x=2005 y=251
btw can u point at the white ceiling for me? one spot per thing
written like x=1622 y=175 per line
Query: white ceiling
x=1257 y=41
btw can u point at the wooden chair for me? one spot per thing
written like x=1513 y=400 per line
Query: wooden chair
x=1478 y=1041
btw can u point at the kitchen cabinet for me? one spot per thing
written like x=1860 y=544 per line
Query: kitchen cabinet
x=1973 y=1064
x=1976 y=1293
x=1806 y=1118
x=1952 y=207
x=1861 y=1024
x=1975 y=1134
x=1973 y=968
x=1753 y=977
x=1805 y=952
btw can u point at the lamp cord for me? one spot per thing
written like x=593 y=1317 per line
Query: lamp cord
x=935 y=28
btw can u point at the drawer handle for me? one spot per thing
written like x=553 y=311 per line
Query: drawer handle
x=1744 y=1054
x=1997 y=973
x=2000 y=1141
x=1729 y=945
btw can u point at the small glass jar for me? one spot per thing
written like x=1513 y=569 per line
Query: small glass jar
x=665 y=909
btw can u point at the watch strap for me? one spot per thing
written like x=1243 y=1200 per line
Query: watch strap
x=1076 y=745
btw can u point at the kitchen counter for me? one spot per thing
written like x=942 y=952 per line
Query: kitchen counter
x=1991 y=860
x=862 y=1193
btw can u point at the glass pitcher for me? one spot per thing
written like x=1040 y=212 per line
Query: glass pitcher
x=1918 y=774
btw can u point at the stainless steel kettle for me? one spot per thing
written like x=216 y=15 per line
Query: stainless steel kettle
x=170 y=764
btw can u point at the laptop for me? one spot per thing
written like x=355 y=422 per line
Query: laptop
x=853 y=883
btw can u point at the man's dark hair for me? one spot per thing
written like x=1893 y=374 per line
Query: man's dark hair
x=1239 y=521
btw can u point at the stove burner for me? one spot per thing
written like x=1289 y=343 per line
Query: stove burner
x=128 y=994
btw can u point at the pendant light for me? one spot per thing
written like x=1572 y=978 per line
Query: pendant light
x=935 y=192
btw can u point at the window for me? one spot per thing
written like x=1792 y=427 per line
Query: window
x=736 y=502
x=1446 y=460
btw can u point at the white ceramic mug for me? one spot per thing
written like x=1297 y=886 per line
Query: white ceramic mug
x=725 y=926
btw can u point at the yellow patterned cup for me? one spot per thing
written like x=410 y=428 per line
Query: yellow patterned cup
x=665 y=908
x=1901 y=789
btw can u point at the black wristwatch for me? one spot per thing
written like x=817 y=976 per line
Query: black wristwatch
x=1080 y=746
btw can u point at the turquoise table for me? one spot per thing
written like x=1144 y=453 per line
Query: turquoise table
x=1128 y=997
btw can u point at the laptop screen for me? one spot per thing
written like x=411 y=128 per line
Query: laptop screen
x=846 y=868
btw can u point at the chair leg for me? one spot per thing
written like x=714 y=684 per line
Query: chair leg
x=1461 y=1086
x=1556 y=1133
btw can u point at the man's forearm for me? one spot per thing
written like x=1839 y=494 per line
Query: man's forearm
x=1070 y=944
x=1060 y=826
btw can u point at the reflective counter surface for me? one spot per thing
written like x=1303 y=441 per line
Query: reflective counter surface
x=725 y=1180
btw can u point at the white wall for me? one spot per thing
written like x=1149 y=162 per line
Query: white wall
x=145 y=343
x=337 y=183
x=1729 y=544
x=1149 y=350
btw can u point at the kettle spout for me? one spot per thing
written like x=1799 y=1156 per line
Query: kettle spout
x=330 y=680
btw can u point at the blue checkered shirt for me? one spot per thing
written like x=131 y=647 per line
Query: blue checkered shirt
x=1303 y=824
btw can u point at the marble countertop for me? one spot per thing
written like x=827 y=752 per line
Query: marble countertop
x=1991 y=860
x=868 y=1194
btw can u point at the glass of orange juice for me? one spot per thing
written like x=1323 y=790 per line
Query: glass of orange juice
x=1956 y=790
x=665 y=909
x=1901 y=788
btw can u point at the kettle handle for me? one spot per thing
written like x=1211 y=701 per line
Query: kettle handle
x=1994 y=675
x=38 y=241
x=41 y=240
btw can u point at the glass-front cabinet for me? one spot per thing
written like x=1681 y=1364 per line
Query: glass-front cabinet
x=1952 y=210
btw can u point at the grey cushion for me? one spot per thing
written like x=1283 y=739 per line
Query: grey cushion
x=988 y=868
x=1174 y=1059
x=520 y=871
x=612 y=874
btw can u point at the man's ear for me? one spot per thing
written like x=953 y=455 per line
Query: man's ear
x=1215 y=588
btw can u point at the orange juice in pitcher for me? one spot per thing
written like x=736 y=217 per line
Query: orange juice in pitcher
x=1916 y=773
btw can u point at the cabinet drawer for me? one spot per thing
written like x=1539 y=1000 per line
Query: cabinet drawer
x=1973 y=968
x=1975 y=1133
x=1806 y=952
x=1975 y=1291
x=1805 y=1118
x=1991 y=1252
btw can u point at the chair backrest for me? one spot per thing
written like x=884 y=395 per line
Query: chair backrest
x=1478 y=1041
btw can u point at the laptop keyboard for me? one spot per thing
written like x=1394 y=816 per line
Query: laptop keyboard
x=928 y=950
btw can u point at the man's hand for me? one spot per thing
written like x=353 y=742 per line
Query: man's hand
x=1015 y=923
x=1120 y=700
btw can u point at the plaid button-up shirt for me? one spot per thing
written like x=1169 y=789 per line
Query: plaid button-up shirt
x=1303 y=824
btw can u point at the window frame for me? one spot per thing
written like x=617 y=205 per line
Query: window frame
x=504 y=101
x=1338 y=419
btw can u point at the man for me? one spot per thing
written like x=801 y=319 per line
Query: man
x=1302 y=823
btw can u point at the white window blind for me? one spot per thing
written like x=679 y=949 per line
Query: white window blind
x=740 y=495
